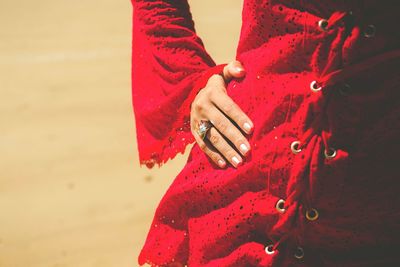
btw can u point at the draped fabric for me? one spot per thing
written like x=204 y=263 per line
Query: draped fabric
x=320 y=187
x=169 y=66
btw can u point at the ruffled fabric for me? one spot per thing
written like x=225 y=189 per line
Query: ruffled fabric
x=169 y=66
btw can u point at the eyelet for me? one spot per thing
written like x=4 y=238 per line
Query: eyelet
x=323 y=24
x=299 y=254
x=269 y=249
x=369 y=31
x=295 y=147
x=330 y=153
x=312 y=214
x=280 y=206
x=314 y=86
x=345 y=89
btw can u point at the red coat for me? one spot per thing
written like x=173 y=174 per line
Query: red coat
x=321 y=187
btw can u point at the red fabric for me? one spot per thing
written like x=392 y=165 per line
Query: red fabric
x=167 y=60
x=227 y=217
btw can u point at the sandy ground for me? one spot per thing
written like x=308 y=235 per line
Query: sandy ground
x=71 y=189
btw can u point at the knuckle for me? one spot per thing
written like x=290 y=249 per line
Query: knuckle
x=227 y=151
x=196 y=98
x=216 y=77
x=216 y=94
x=203 y=146
x=214 y=139
x=198 y=108
x=222 y=126
x=209 y=92
x=200 y=93
x=199 y=105
x=230 y=154
x=217 y=82
x=228 y=107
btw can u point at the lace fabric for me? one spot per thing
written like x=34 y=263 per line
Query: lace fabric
x=169 y=66
x=320 y=186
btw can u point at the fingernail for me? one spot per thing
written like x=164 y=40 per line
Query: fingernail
x=247 y=126
x=236 y=160
x=221 y=163
x=239 y=69
x=244 y=148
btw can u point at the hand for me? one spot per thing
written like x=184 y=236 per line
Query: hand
x=225 y=140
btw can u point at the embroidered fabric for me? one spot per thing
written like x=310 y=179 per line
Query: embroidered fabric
x=169 y=66
x=320 y=186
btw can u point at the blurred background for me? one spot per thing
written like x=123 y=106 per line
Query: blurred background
x=72 y=192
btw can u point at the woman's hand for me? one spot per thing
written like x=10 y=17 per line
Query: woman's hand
x=225 y=140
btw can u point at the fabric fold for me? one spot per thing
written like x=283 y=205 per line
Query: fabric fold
x=169 y=66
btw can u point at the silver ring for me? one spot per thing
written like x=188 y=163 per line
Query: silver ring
x=203 y=127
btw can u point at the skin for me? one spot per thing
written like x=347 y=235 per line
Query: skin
x=213 y=103
x=226 y=141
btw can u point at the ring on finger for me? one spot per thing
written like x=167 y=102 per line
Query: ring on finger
x=203 y=127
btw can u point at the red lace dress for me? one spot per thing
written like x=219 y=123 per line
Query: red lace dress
x=321 y=187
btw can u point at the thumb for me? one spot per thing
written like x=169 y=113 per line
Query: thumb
x=234 y=69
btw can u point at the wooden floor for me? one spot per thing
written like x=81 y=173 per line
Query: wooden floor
x=71 y=189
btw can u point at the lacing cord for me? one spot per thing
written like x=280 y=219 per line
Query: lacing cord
x=318 y=127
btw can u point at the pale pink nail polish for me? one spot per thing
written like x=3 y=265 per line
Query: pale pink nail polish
x=221 y=163
x=244 y=148
x=247 y=126
x=236 y=160
x=239 y=69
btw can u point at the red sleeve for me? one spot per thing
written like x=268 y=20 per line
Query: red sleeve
x=169 y=66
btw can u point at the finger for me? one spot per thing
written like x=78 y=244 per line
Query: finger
x=233 y=69
x=229 y=130
x=216 y=157
x=219 y=142
x=224 y=103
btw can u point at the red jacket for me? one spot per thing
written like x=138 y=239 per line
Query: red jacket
x=320 y=187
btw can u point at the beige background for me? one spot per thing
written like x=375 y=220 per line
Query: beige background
x=71 y=189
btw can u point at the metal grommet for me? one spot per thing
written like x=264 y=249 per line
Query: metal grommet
x=280 y=206
x=295 y=147
x=345 y=89
x=312 y=214
x=369 y=31
x=330 y=153
x=323 y=24
x=299 y=254
x=269 y=249
x=314 y=86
